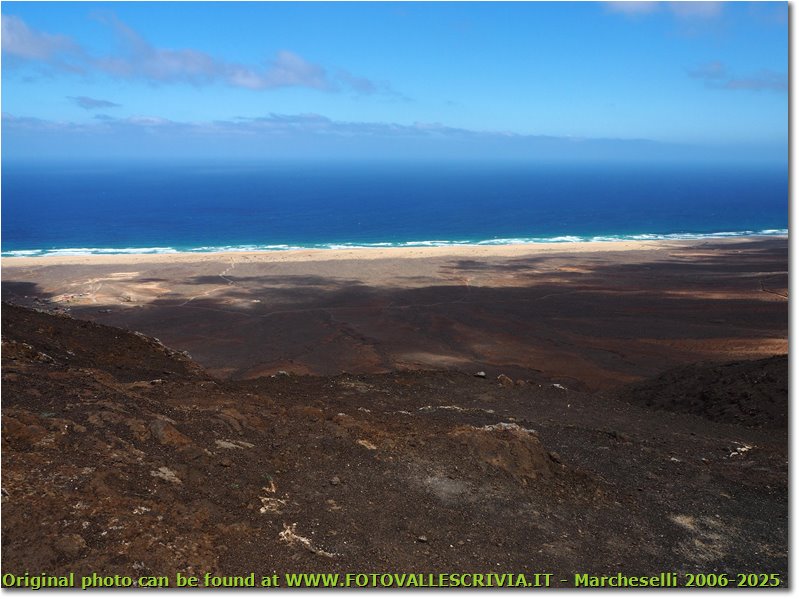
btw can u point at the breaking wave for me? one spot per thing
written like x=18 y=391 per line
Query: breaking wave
x=30 y=253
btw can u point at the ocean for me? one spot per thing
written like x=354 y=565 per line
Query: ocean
x=106 y=208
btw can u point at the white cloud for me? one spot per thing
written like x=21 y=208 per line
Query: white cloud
x=709 y=71
x=763 y=80
x=696 y=10
x=687 y=10
x=632 y=7
x=92 y=103
x=21 y=41
x=715 y=75
x=140 y=60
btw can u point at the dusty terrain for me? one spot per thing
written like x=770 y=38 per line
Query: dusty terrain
x=588 y=316
x=121 y=456
x=639 y=423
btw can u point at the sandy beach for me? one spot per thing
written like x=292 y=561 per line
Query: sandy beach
x=587 y=315
x=372 y=253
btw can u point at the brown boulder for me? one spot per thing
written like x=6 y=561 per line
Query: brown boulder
x=505 y=381
x=508 y=447
x=21 y=435
x=69 y=546
x=166 y=434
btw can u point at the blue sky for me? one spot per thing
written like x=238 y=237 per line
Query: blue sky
x=515 y=80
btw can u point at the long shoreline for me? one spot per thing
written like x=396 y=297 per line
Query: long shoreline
x=374 y=253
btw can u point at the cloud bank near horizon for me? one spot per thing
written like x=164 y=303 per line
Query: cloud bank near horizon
x=287 y=136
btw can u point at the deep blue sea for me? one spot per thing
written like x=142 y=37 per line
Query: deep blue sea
x=57 y=209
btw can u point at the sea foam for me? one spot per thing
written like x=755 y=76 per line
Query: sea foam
x=28 y=253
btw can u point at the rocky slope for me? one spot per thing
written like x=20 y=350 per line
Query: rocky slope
x=751 y=392
x=121 y=456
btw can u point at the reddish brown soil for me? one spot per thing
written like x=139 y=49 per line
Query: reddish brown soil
x=123 y=457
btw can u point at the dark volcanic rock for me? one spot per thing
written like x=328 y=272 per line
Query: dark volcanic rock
x=752 y=393
x=83 y=344
x=407 y=471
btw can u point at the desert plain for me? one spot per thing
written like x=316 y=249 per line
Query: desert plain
x=585 y=315
x=595 y=408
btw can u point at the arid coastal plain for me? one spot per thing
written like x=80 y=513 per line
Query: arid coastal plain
x=585 y=315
